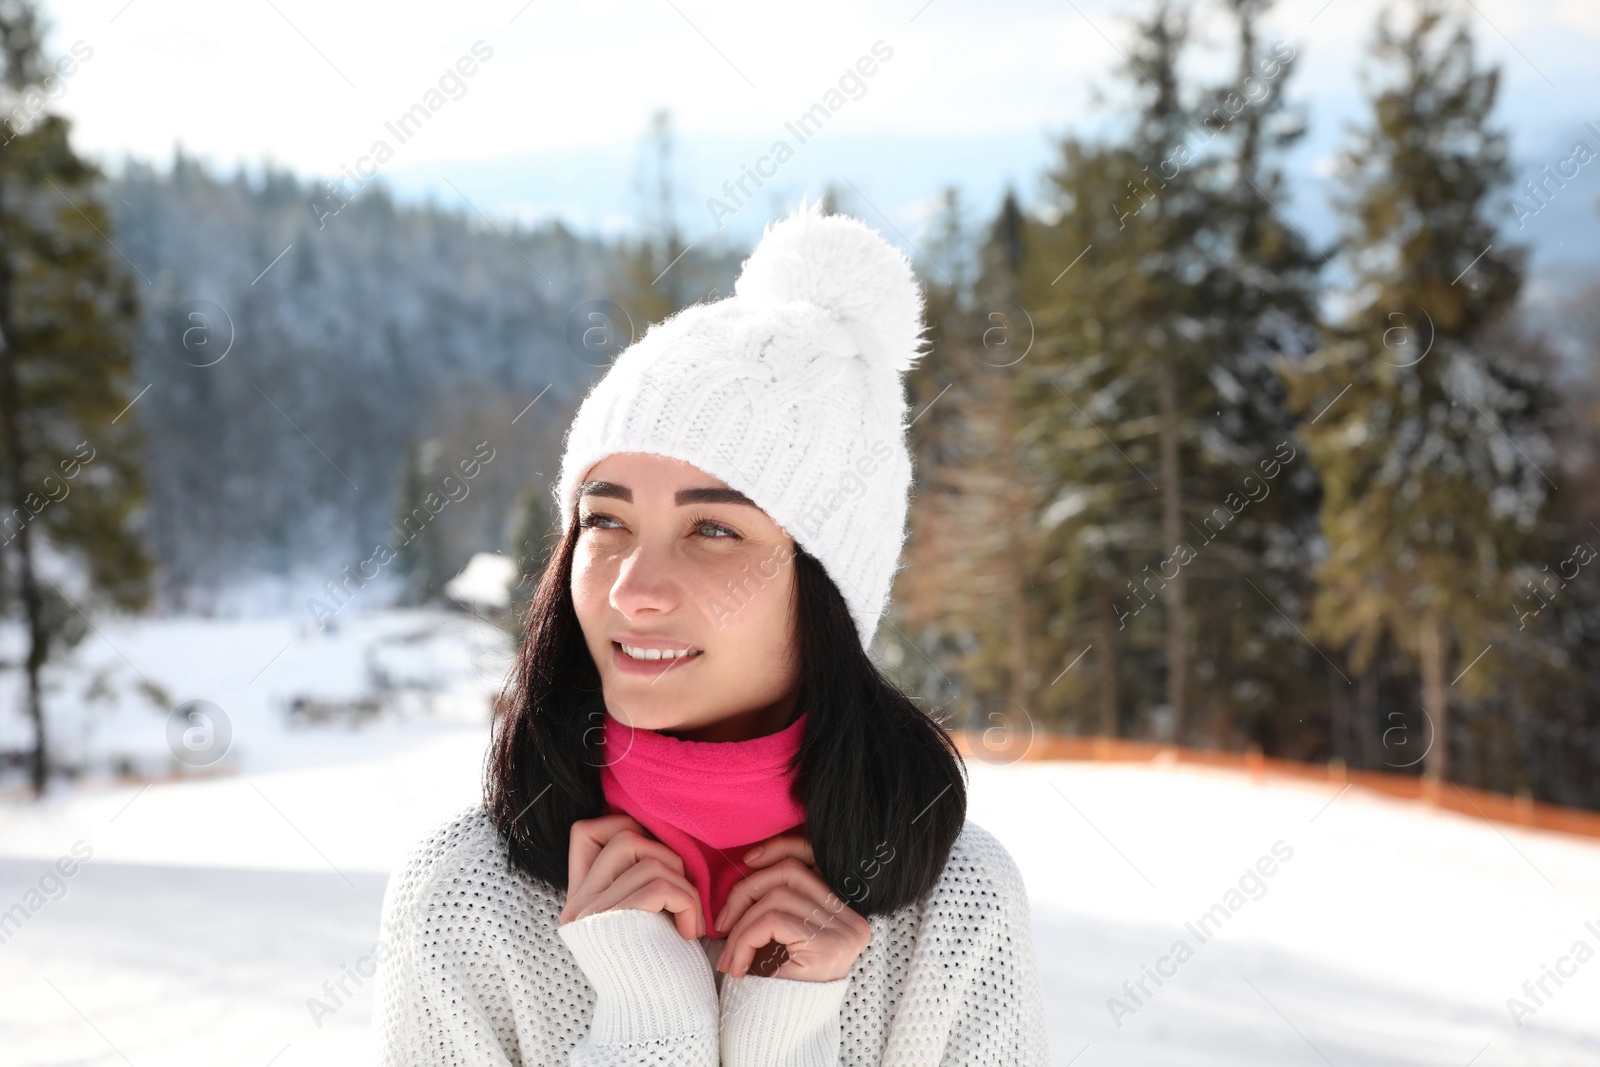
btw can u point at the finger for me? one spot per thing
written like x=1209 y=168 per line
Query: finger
x=644 y=877
x=597 y=895
x=783 y=916
x=779 y=847
x=628 y=846
x=755 y=937
x=586 y=840
x=812 y=944
x=789 y=871
x=624 y=847
x=681 y=901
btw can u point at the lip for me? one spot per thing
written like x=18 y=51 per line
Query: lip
x=649 y=668
x=641 y=641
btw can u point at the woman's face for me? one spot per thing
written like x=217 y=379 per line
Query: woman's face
x=670 y=558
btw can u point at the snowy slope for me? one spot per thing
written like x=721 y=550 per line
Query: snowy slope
x=212 y=912
x=1392 y=935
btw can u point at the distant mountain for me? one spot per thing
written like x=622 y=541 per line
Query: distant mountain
x=296 y=348
x=892 y=182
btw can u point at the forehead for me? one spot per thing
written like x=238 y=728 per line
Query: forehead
x=620 y=475
x=632 y=476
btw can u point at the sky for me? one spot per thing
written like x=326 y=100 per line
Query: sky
x=551 y=119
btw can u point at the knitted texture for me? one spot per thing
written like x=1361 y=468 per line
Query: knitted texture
x=478 y=971
x=789 y=391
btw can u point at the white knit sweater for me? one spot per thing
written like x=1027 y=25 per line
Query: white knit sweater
x=476 y=969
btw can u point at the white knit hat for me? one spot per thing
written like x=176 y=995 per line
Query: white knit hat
x=789 y=391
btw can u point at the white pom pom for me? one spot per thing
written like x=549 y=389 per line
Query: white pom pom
x=839 y=264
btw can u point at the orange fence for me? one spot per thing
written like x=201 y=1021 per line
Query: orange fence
x=1495 y=807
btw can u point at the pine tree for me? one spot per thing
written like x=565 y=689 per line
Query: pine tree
x=654 y=275
x=1431 y=442
x=969 y=579
x=940 y=601
x=1252 y=495
x=68 y=443
x=1091 y=434
x=420 y=561
x=1168 y=345
x=1006 y=257
x=1111 y=401
x=532 y=536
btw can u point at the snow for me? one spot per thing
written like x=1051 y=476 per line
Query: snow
x=485 y=583
x=215 y=906
x=1392 y=935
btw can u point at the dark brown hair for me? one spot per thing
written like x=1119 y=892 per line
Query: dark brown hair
x=882 y=784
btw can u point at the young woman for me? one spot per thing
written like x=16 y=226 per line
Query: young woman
x=713 y=832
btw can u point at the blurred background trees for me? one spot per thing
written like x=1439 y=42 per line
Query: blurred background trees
x=1262 y=494
x=1424 y=535
x=1182 y=475
x=69 y=470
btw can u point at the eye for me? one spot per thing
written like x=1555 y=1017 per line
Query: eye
x=594 y=519
x=700 y=522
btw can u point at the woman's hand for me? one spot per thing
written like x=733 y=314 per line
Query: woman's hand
x=613 y=863
x=786 y=901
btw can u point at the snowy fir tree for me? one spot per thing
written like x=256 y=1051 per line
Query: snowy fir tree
x=1432 y=442
x=72 y=474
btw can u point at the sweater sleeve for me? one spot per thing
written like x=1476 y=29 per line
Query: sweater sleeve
x=780 y=1022
x=655 y=997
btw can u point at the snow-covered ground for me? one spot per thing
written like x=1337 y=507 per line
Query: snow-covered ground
x=1345 y=928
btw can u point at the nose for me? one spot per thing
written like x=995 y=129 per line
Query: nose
x=645 y=583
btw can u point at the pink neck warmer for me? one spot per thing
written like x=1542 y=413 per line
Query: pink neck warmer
x=708 y=801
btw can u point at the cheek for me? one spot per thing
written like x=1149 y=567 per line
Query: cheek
x=761 y=623
x=589 y=585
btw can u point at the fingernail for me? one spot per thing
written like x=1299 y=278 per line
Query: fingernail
x=753 y=853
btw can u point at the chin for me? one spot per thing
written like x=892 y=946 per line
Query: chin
x=635 y=718
x=647 y=713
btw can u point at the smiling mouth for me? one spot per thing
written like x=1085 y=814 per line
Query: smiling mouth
x=650 y=655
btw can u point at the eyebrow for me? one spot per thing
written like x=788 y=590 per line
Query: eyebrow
x=706 y=495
